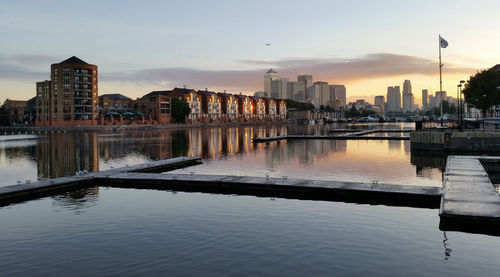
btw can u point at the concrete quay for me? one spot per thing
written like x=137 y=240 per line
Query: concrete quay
x=357 y=192
x=455 y=141
x=470 y=201
x=21 y=192
x=467 y=202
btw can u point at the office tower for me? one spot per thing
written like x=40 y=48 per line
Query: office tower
x=307 y=80
x=268 y=78
x=425 y=100
x=260 y=94
x=379 y=100
x=393 y=99
x=407 y=97
x=407 y=102
x=407 y=87
x=322 y=92
x=338 y=92
x=278 y=88
x=296 y=91
x=71 y=96
x=440 y=96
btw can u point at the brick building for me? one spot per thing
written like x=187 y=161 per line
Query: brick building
x=70 y=97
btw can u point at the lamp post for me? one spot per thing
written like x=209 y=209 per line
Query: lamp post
x=458 y=105
x=462 y=82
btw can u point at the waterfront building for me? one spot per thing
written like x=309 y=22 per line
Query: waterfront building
x=114 y=103
x=229 y=107
x=425 y=100
x=268 y=78
x=210 y=106
x=71 y=96
x=271 y=108
x=282 y=109
x=260 y=108
x=393 y=99
x=153 y=108
x=14 y=111
x=192 y=98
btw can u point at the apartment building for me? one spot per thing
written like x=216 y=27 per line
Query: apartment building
x=70 y=97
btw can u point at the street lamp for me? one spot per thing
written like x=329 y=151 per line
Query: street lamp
x=460 y=106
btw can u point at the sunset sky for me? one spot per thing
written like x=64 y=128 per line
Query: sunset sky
x=221 y=45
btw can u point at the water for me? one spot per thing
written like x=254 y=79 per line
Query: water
x=111 y=231
x=224 y=150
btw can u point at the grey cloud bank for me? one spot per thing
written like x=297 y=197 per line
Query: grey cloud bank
x=371 y=66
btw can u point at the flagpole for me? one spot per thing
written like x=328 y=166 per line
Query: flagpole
x=440 y=80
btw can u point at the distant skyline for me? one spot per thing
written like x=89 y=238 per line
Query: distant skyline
x=153 y=45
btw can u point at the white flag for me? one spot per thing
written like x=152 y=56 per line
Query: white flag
x=442 y=42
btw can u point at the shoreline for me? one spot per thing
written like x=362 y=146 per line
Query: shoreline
x=24 y=130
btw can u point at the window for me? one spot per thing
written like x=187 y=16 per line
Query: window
x=66 y=86
x=65 y=70
x=55 y=71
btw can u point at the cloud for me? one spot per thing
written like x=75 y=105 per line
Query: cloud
x=371 y=66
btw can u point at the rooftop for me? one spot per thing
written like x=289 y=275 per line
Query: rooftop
x=158 y=92
x=271 y=71
x=74 y=60
x=115 y=96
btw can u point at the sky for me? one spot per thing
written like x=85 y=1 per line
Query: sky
x=141 y=46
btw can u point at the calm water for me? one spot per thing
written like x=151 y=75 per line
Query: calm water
x=111 y=231
x=224 y=150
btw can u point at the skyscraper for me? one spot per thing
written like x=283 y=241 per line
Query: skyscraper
x=268 y=78
x=393 y=99
x=296 y=91
x=424 y=99
x=407 y=87
x=379 y=100
x=338 y=92
x=407 y=97
x=307 y=80
x=322 y=91
x=70 y=97
x=407 y=102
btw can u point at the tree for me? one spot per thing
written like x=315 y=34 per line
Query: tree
x=482 y=90
x=180 y=109
x=291 y=104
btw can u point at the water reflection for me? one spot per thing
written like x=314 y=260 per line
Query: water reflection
x=77 y=200
x=60 y=155
x=223 y=148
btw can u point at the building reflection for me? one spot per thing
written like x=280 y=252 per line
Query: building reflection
x=61 y=155
x=77 y=200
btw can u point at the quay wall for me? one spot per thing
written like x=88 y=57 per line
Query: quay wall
x=22 y=130
x=456 y=141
